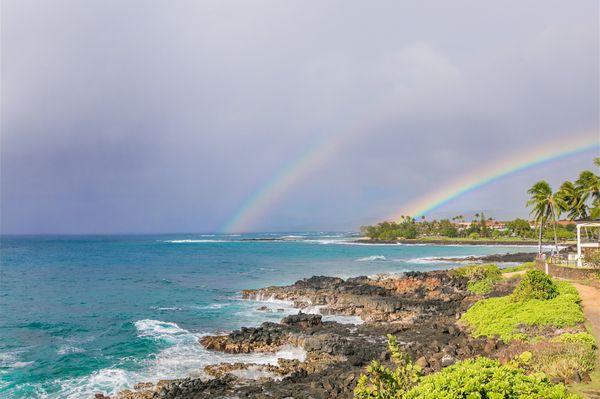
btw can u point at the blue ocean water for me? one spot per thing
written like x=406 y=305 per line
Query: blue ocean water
x=87 y=314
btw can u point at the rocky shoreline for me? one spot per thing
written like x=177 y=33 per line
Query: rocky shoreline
x=519 y=257
x=420 y=309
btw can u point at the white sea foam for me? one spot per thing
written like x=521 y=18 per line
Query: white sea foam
x=165 y=308
x=183 y=357
x=188 y=241
x=68 y=349
x=372 y=258
x=340 y=318
x=212 y=306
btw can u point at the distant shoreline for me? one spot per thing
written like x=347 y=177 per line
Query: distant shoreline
x=459 y=241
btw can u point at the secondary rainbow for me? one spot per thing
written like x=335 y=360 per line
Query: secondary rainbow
x=546 y=153
x=264 y=198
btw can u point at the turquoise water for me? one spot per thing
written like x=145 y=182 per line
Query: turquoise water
x=85 y=314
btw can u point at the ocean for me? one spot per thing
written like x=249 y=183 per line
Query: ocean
x=87 y=314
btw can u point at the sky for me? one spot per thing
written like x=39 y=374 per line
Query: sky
x=171 y=116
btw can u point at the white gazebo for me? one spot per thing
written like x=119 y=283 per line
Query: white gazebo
x=586 y=226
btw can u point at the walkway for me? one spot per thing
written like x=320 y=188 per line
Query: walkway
x=590 y=301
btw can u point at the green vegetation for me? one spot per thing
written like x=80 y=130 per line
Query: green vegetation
x=481 y=277
x=579 y=200
x=561 y=357
x=474 y=378
x=520 y=228
x=389 y=231
x=506 y=318
x=518 y=268
x=381 y=382
x=535 y=285
x=486 y=378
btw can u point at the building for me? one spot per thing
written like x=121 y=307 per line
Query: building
x=588 y=239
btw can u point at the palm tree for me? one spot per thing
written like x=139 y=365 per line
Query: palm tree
x=588 y=185
x=571 y=201
x=544 y=205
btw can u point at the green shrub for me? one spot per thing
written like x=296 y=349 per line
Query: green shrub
x=483 y=378
x=562 y=357
x=481 y=277
x=480 y=287
x=582 y=338
x=503 y=316
x=518 y=268
x=535 y=285
x=381 y=382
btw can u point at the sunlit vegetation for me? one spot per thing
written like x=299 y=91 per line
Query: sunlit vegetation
x=481 y=277
x=517 y=317
x=473 y=378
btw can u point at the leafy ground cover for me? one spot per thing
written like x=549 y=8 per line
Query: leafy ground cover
x=504 y=316
x=481 y=277
x=487 y=378
x=479 y=378
x=518 y=268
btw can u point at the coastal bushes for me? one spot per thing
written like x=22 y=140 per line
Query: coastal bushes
x=381 y=382
x=518 y=268
x=390 y=231
x=567 y=357
x=481 y=277
x=509 y=319
x=535 y=285
x=486 y=378
x=473 y=378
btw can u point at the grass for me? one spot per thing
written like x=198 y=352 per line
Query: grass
x=584 y=388
x=503 y=317
x=565 y=357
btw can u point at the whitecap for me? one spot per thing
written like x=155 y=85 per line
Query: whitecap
x=157 y=329
x=372 y=258
x=174 y=308
x=193 y=241
x=68 y=349
x=18 y=365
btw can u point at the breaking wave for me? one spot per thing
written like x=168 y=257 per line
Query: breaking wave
x=372 y=258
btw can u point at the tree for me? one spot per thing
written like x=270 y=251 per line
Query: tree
x=519 y=228
x=588 y=185
x=483 y=229
x=544 y=206
x=572 y=202
x=447 y=229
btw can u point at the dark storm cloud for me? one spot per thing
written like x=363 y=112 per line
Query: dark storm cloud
x=145 y=116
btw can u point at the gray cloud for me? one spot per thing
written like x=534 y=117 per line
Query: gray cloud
x=146 y=116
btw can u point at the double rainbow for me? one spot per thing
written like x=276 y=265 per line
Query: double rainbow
x=257 y=204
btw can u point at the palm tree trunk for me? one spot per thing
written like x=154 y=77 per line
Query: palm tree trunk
x=541 y=222
x=555 y=237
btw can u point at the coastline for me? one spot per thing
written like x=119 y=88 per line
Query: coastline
x=466 y=241
x=422 y=308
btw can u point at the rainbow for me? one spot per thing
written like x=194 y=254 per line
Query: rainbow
x=560 y=149
x=264 y=199
x=320 y=150
x=256 y=205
